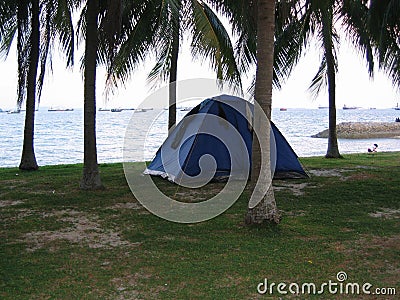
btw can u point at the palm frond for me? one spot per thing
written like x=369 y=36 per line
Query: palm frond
x=8 y=25
x=355 y=21
x=211 y=40
x=290 y=43
x=166 y=41
x=384 y=25
x=22 y=48
x=65 y=29
x=139 y=27
x=8 y=38
x=320 y=80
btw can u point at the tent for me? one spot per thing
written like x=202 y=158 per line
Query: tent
x=200 y=132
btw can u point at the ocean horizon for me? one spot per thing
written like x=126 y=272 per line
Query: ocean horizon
x=59 y=134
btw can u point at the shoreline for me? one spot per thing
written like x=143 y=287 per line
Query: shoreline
x=364 y=130
x=102 y=164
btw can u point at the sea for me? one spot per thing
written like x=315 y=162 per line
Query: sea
x=59 y=134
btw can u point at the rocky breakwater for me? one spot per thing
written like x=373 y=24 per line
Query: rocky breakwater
x=364 y=130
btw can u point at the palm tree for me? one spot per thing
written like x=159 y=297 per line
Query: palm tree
x=100 y=25
x=265 y=209
x=22 y=18
x=158 y=25
x=91 y=176
x=28 y=159
x=28 y=18
x=317 y=19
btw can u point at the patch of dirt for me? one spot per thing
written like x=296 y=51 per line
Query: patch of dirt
x=21 y=214
x=343 y=173
x=5 y=203
x=294 y=213
x=367 y=242
x=328 y=172
x=84 y=230
x=377 y=242
x=361 y=176
x=125 y=286
x=296 y=188
x=386 y=213
x=13 y=182
x=127 y=205
x=370 y=251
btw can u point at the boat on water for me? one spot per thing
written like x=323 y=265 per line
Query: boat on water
x=14 y=111
x=323 y=107
x=143 y=109
x=60 y=109
x=116 y=109
x=283 y=109
x=350 y=107
x=397 y=107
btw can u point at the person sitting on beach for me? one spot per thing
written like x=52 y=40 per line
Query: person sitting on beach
x=374 y=148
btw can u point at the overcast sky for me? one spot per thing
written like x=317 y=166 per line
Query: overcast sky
x=354 y=88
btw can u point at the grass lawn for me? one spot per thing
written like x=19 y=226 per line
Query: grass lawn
x=58 y=242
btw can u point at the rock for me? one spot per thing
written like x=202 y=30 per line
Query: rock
x=364 y=130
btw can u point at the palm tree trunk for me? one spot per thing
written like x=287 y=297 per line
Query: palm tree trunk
x=333 y=148
x=172 y=78
x=28 y=159
x=266 y=209
x=91 y=176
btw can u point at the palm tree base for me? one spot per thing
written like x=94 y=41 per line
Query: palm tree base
x=28 y=164
x=330 y=155
x=91 y=181
x=28 y=167
x=265 y=212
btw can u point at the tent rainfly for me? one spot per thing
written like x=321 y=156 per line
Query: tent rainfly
x=198 y=134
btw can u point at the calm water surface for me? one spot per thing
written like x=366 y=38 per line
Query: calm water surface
x=59 y=135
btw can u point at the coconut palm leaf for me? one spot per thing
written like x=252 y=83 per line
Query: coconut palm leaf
x=166 y=40
x=22 y=49
x=139 y=26
x=211 y=40
x=384 y=27
x=320 y=80
x=355 y=21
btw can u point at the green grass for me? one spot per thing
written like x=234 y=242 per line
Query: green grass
x=58 y=242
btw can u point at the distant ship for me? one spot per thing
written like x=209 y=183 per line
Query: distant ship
x=350 y=107
x=397 y=107
x=60 y=109
x=283 y=109
x=143 y=109
x=15 y=111
x=116 y=109
x=323 y=107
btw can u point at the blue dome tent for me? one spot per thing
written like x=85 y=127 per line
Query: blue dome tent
x=189 y=141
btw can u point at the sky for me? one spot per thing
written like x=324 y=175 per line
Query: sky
x=64 y=87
